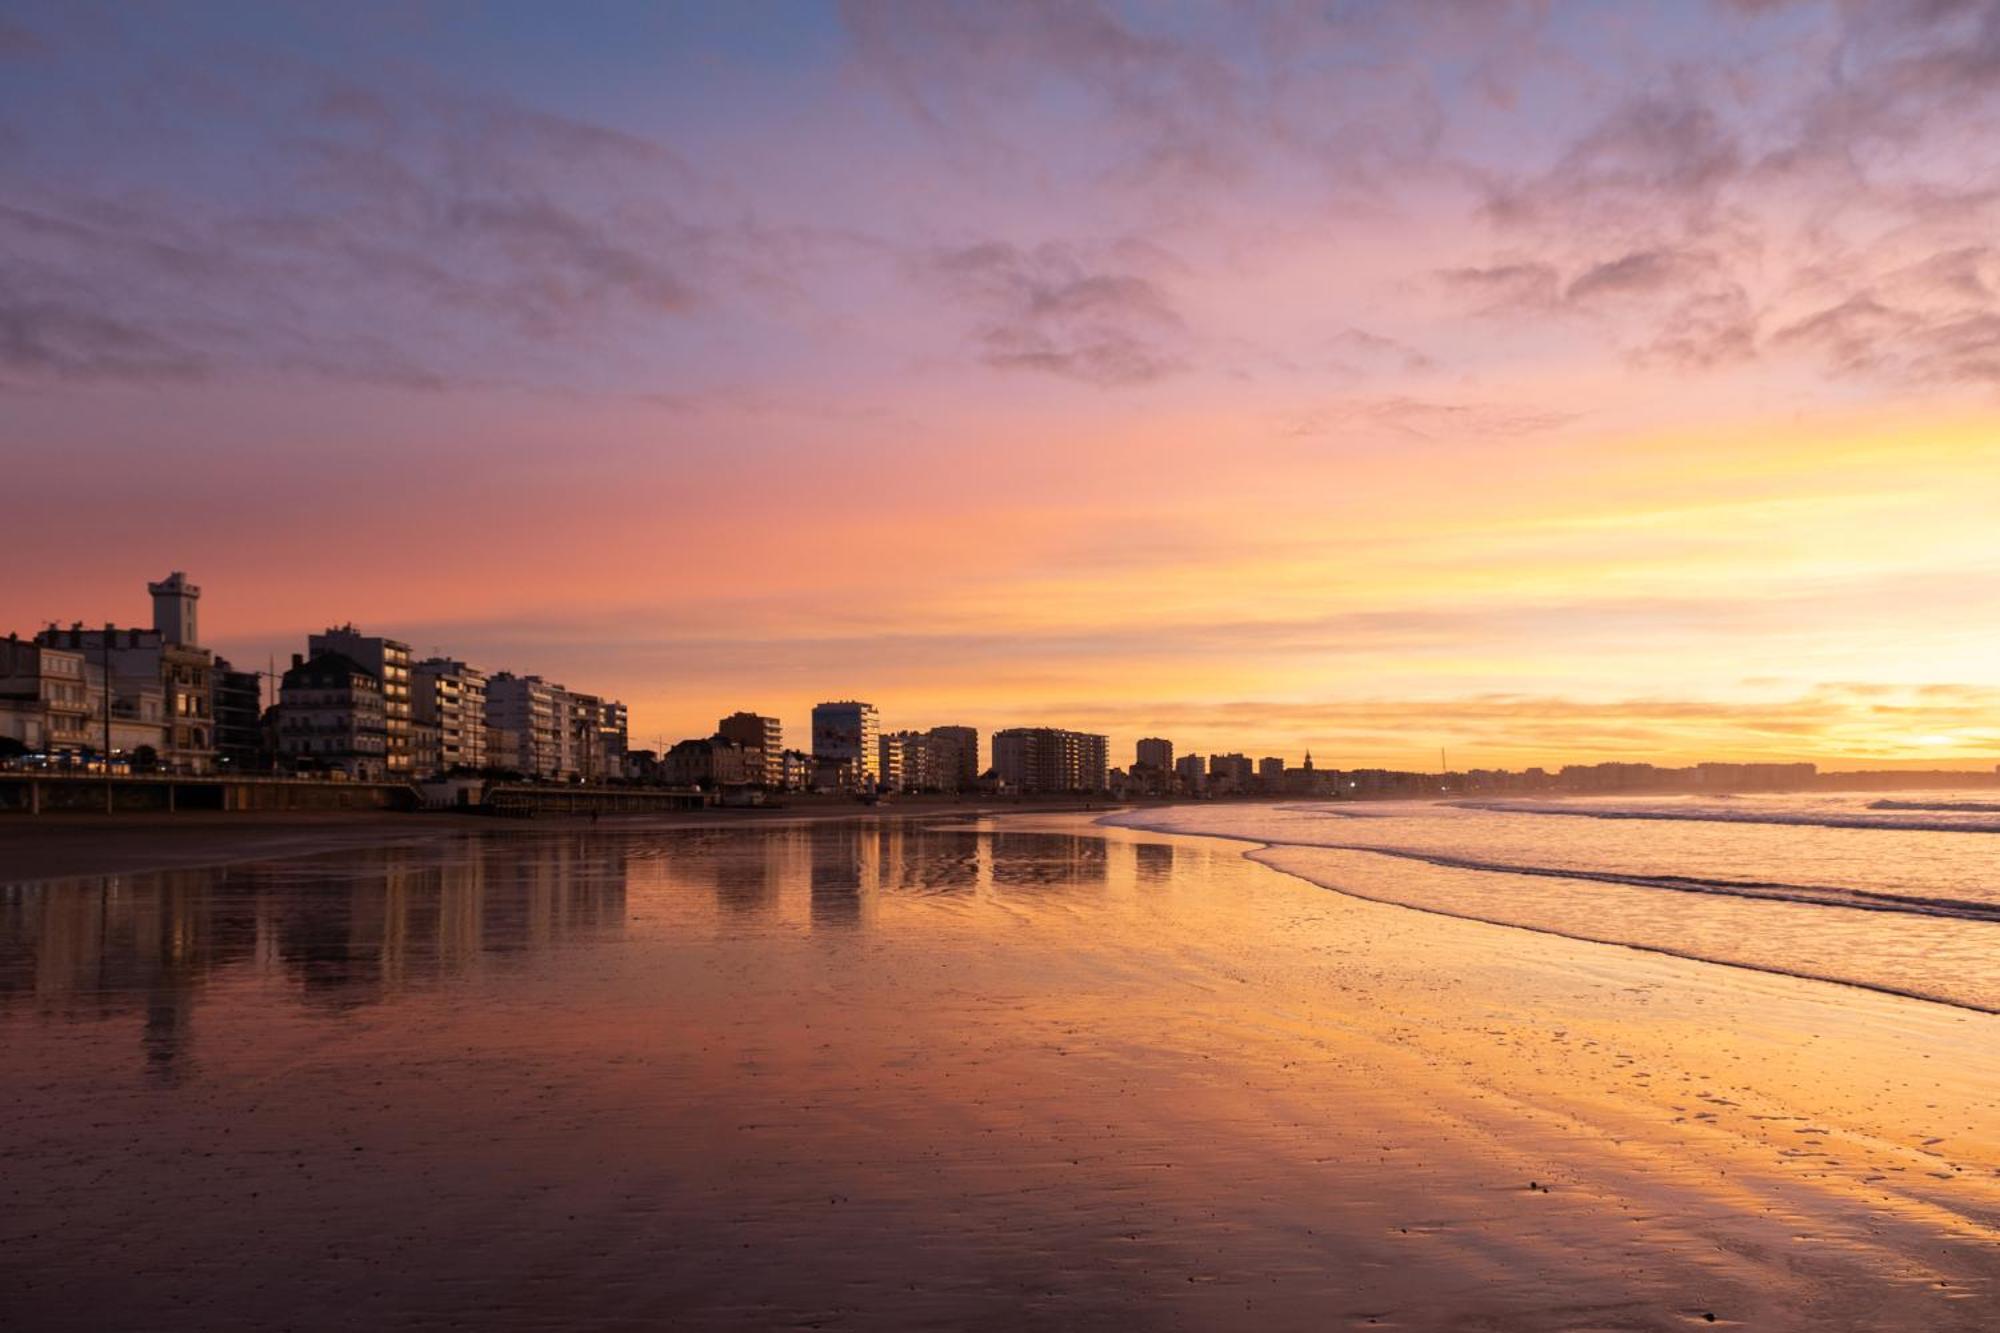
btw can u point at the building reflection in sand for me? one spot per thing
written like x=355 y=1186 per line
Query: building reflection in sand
x=352 y=929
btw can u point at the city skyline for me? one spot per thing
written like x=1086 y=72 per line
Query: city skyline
x=1546 y=383
x=462 y=717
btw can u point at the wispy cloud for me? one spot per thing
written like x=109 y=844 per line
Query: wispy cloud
x=1052 y=309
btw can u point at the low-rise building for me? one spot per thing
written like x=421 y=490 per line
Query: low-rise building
x=142 y=662
x=167 y=658
x=713 y=763
x=46 y=706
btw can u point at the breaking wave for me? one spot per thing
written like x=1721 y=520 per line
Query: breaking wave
x=1793 y=818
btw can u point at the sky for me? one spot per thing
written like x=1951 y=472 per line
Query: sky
x=1544 y=382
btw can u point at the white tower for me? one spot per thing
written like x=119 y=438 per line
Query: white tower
x=173 y=609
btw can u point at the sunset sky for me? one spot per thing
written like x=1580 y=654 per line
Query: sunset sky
x=1550 y=382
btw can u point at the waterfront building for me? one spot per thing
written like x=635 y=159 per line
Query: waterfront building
x=613 y=738
x=138 y=718
x=237 y=699
x=846 y=736
x=1192 y=770
x=449 y=698
x=166 y=658
x=1310 y=781
x=763 y=733
x=174 y=611
x=426 y=748
x=798 y=770
x=389 y=659
x=585 y=731
x=891 y=750
x=528 y=725
x=1271 y=773
x=45 y=702
x=1754 y=777
x=503 y=746
x=1152 y=772
x=1229 y=773
x=1050 y=759
x=713 y=763
x=937 y=760
x=331 y=717
x=958 y=752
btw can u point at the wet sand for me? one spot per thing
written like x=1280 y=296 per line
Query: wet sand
x=855 y=1075
x=36 y=847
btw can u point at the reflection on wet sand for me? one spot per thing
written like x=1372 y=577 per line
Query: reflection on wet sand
x=1012 y=1074
x=350 y=929
x=344 y=933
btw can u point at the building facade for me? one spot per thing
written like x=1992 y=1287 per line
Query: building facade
x=713 y=763
x=144 y=666
x=928 y=761
x=528 y=724
x=46 y=706
x=332 y=718
x=447 y=699
x=1229 y=773
x=238 y=707
x=586 y=759
x=1050 y=759
x=389 y=659
x=763 y=733
x=964 y=745
x=846 y=740
x=1154 y=753
x=614 y=740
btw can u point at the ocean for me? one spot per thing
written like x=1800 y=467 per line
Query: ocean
x=1899 y=894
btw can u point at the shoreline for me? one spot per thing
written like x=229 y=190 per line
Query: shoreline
x=40 y=848
x=1254 y=850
